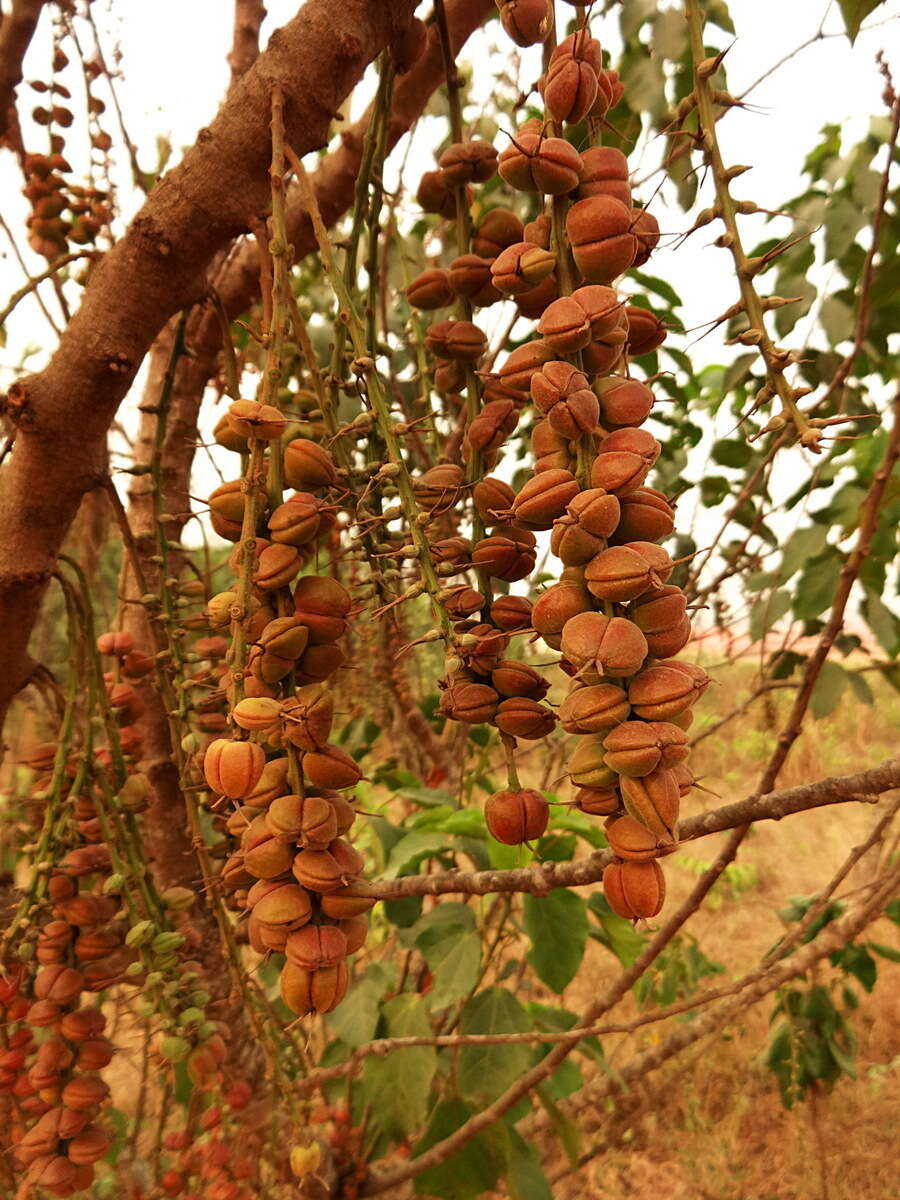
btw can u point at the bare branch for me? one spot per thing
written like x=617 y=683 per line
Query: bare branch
x=543 y=877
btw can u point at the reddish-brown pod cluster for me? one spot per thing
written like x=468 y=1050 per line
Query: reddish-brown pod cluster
x=614 y=615
x=278 y=782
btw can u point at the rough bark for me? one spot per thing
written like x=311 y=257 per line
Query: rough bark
x=16 y=31
x=248 y=17
x=160 y=266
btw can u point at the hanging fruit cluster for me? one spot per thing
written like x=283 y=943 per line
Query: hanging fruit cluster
x=295 y=872
x=614 y=617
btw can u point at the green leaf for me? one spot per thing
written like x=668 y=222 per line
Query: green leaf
x=854 y=13
x=843 y=221
x=454 y=955
x=565 y=1130
x=731 y=452
x=616 y=933
x=486 y=1071
x=857 y=961
x=829 y=688
x=523 y=1166
x=658 y=286
x=815 y=588
x=888 y=952
x=398 y=1086
x=766 y=611
x=411 y=850
x=468 y=1173
x=558 y=927
x=883 y=623
x=355 y=1018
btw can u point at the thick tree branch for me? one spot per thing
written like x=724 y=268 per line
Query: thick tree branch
x=248 y=18
x=543 y=877
x=16 y=31
x=159 y=267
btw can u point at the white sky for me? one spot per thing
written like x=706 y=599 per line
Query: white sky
x=173 y=60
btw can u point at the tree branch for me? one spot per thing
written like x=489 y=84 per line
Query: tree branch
x=160 y=266
x=16 y=32
x=248 y=18
x=543 y=877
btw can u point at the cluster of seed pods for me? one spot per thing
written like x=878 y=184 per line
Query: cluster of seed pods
x=614 y=617
x=63 y=213
x=284 y=781
x=213 y=1161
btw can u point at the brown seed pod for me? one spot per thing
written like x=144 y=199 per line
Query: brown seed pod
x=598 y=802
x=539 y=231
x=646 y=230
x=661 y=692
x=277 y=567
x=434 y=195
x=611 y=646
x=481 y=647
x=605 y=174
x=463 y=601
x=439 y=488
x=551 y=449
x=309 y=820
x=621 y=573
x=459 y=340
x=645 y=331
x=82 y=1025
x=647 y=516
x=316 y=946
x=660 y=611
x=471 y=703
x=84 y=1092
x=322 y=604
x=610 y=92
x=521 y=267
x=623 y=402
x=470 y=276
x=308 y=467
x=490 y=429
x=653 y=799
x=497 y=229
x=256 y=714
x=513 y=678
x=492 y=497
x=307 y=717
x=534 y=163
x=320 y=990
x=455 y=550
x=233 y=769
x=318 y=871
x=556 y=606
x=514 y=817
x=517 y=371
x=355 y=931
x=331 y=767
x=474 y=161
x=272 y=782
x=619 y=472
x=285 y=636
x=250 y=419
x=594 y=709
x=264 y=855
x=318 y=663
x=603 y=310
x=565 y=326
x=511 y=613
x=521 y=717
x=277 y=903
x=95 y=1055
x=635 y=890
x=570 y=86
x=531 y=304
x=430 y=290
x=632 y=441
x=631 y=840
x=544 y=498
x=580 y=534
x=508 y=556
x=586 y=767
x=527 y=22
x=301 y=519
x=633 y=749
x=89 y=1146
x=602 y=240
